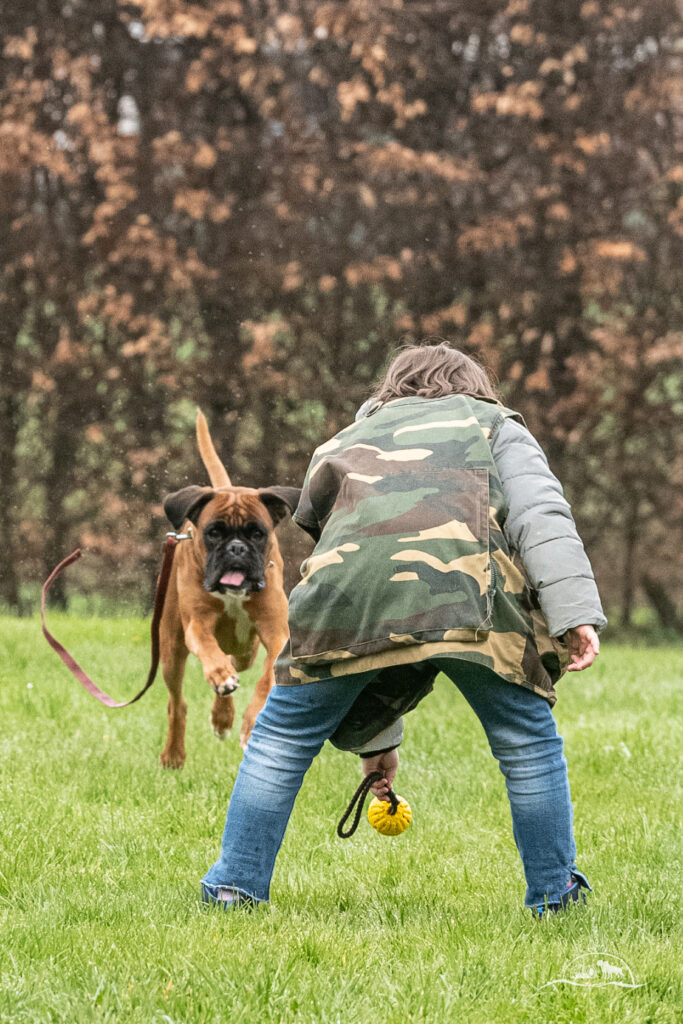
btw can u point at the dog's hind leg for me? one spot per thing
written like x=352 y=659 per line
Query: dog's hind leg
x=222 y=715
x=173 y=668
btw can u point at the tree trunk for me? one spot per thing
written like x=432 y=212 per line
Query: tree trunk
x=10 y=387
x=57 y=484
x=661 y=602
x=628 y=570
x=9 y=579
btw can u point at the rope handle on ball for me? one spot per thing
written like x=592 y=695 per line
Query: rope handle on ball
x=358 y=800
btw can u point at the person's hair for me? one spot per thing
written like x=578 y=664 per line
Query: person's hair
x=434 y=371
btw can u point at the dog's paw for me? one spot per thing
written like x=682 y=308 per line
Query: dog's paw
x=220 y=729
x=223 y=681
x=245 y=733
x=222 y=716
x=229 y=686
x=172 y=759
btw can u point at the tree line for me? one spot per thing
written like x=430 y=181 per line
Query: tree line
x=247 y=205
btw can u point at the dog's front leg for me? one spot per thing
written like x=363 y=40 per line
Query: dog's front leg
x=219 y=670
x=273 y=636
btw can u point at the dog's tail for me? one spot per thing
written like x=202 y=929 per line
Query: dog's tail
x=218 y=474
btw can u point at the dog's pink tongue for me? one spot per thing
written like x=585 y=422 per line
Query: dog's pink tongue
x=232 y=579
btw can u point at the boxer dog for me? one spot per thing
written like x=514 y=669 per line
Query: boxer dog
x=225 y=594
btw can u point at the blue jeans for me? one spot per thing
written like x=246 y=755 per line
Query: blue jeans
x=295 y=722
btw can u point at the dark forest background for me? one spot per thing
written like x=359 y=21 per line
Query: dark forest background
x=247 y=206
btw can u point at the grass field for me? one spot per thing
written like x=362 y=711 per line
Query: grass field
x=102 y=850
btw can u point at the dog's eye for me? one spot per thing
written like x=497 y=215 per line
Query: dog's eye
x=254 y=531
x=215 y=531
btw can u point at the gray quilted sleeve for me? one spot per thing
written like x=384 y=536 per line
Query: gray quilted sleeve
x=540 y=527
x=392 y=736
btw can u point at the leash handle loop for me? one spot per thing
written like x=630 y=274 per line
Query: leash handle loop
x=358 y=801
x=71 y=663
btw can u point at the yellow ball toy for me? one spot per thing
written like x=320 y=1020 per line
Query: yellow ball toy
x=381 y=818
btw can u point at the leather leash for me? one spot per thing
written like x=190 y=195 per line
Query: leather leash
x=159 y=598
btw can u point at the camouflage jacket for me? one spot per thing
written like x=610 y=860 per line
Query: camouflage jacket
x=412 y=559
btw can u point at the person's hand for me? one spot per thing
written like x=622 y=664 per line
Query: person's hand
x=584 y=647
x=386 y=763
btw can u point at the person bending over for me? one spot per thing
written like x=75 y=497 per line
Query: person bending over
x=443 y=544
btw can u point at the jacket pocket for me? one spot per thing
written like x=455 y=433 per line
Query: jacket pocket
x=562 y=651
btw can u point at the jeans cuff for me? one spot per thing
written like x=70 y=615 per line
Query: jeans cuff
x=213 y=891
x=570 y=893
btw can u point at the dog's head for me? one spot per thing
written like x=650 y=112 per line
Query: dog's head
x=234 y=526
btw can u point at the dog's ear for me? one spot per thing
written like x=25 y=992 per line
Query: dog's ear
x=186 y=504
x=279 y=500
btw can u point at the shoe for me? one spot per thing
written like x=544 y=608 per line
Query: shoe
x=226 y=898
x=573 y=894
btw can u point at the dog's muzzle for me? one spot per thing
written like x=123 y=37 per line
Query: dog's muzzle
x=235 y=567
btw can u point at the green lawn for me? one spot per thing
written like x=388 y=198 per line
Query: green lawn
x=102 y=851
